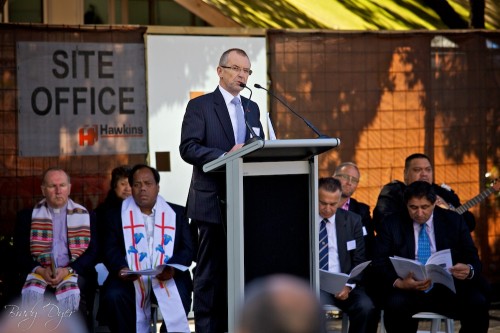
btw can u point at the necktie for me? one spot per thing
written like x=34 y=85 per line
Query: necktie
x=323 y=245
x=424 y=245
x=240 y=116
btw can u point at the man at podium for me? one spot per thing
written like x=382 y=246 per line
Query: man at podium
x=213 y=125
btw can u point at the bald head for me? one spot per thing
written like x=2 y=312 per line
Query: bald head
x=281 y=303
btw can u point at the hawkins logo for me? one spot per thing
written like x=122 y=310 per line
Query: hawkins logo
x=89 y=134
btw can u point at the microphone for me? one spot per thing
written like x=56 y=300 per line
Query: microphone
x=254 y=137
x=311 y=126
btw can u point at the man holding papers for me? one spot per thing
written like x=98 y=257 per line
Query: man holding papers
x=426 y=230
x=341 y=248
x=147 y=251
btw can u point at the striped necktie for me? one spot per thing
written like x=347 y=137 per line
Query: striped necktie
x=323 y=245
x=424 y=245
x=240 y=117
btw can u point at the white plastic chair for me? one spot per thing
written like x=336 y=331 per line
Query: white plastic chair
x=435 y=319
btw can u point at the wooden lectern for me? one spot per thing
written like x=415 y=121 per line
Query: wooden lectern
x=271 y=208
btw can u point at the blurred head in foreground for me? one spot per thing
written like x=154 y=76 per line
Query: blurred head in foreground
x=281 y=304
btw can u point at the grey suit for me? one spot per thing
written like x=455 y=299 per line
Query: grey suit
x=206 y=135
x=363 y=316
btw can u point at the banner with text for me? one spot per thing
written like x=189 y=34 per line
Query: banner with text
x=81 y=99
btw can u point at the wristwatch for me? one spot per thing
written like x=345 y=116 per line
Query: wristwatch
x=70 y=270
x=471 y=273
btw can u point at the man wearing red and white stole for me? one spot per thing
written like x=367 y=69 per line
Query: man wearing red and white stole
x=147 y=251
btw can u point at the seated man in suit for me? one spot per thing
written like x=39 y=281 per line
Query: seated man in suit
x=341 y=249
x=55 y=248
x=348 y=175
x=144 y=233
x=427 y=229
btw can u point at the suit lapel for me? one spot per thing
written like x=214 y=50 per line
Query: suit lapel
x=439 y=231
x=409 y=239
x=340 y=226
x=223 y=114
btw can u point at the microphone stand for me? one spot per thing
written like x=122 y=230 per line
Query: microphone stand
x=254 y=137
x=311 y=126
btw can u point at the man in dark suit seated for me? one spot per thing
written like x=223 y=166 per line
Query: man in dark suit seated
x=426 y=229
x=56 y=248
x=147 y=233
x=341 y=249
x=349 y=176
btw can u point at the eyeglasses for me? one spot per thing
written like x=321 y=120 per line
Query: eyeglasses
x=348 y=178
x=238 y=69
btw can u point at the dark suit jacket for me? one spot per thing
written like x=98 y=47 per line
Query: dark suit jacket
x=349 y=228
x=83 y=265
x=115 y=255
x=363 y=210
x=396 y=238
x=206 y=135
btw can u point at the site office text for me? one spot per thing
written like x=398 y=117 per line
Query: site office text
x=73 y=66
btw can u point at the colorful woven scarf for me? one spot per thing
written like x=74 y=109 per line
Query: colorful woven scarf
x=78 y=225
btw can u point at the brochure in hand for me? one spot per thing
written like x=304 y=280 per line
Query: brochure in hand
x=334 y=282
x=156 y=270
x=436 y=268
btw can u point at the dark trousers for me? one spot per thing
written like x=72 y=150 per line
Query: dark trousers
x=469 y=304
x=87 y=286
x=210 y=279
x=363 y=315
x=118 y=301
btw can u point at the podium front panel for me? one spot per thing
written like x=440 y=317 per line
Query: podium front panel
x=276 y=226
x=270 y=209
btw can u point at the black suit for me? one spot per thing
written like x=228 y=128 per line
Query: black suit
x=207 y=134
x=363 y=316
x=395 y=237
x=84 y=265
x=363 y=210
x=119 y=295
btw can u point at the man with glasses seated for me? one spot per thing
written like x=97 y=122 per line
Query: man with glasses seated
x=56 y=250
x=348 y=175
x=213 y=125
